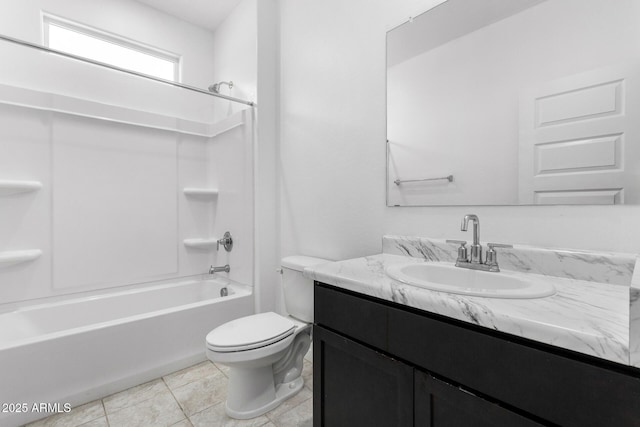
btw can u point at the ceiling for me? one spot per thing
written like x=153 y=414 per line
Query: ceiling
x=204 y=13
x=446 y=22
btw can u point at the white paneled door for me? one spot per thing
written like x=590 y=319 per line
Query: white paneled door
x=578 y=141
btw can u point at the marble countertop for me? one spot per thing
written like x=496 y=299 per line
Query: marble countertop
x=584 y=315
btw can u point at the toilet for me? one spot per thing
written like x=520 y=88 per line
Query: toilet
x=265 y=351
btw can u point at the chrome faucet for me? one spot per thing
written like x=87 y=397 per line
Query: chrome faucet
x=476 y=249
x=225 y=268
x=474 y=261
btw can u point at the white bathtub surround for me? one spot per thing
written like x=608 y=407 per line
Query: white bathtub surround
x=589 y=312
x=77 y=350
x=204 y=193
x=84 y=157
x=9 y=187
x=16 y=257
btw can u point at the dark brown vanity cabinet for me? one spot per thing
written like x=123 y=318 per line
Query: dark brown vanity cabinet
x=360 y=386
x=378 y=363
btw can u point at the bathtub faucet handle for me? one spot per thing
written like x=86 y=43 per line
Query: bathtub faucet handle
x=226 y=241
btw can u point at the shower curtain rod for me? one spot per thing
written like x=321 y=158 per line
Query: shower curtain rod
x=113 y=67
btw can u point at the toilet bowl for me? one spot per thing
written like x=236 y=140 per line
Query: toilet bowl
x=265 y=351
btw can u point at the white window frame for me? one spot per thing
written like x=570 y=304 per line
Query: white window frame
x=49 y=19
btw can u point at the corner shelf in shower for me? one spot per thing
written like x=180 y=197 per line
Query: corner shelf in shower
x=200 y=192
x=200 y=243
x=15 y=257
x=8 y=187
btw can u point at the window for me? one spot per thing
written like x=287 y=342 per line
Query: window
x=96 y=45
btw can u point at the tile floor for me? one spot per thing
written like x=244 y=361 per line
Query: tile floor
x=194 y=396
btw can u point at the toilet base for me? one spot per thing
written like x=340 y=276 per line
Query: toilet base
x=282 y=392
x=262 y=378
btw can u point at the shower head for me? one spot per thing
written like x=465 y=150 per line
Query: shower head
x=215 y=88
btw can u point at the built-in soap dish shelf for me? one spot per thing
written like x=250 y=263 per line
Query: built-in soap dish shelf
x=204 y=244
x=200 y=192
x=8 y=187
x=8 y=258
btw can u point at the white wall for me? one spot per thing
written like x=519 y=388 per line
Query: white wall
x=127 y=18
x=332 y=125
x=36 y=70
x=267 y=238
x=235 y=57
x=333 y=148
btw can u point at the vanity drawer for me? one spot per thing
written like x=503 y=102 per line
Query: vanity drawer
x=554 y=387
x=358 y=318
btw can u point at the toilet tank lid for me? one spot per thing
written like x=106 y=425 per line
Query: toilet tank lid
x=300 y=262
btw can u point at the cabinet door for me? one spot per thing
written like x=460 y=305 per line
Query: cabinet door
x=354 y=385
x=438 y=404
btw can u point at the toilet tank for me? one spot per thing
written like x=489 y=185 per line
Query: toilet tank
x=297 y=289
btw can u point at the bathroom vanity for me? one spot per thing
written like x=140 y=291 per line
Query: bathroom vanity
x=392 y=354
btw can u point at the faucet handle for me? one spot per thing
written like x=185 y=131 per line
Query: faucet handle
x=498 y=245
x=457 y=242
x=462 y=250
x=492 y=256
x=226 y=241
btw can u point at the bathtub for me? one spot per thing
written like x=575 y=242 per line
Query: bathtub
x=76 y=350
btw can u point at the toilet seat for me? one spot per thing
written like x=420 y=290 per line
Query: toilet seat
x=251 y=332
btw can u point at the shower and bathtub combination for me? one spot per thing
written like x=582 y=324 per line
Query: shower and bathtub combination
x=79 y=349
x=115 y=190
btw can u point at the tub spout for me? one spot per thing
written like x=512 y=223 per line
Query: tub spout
x=213 y=269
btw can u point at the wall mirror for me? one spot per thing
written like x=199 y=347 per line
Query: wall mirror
x=515 y=102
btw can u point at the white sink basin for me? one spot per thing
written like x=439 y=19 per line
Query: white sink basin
x=449 y=278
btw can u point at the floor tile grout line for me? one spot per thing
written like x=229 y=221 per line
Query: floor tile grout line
x=287 y=411
x=218 y=368
x=137 y=403
x=176 y=400
x=104 y=408
x=191 y=381
x=62 y=415
x=187 y=417
x=202 y=410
